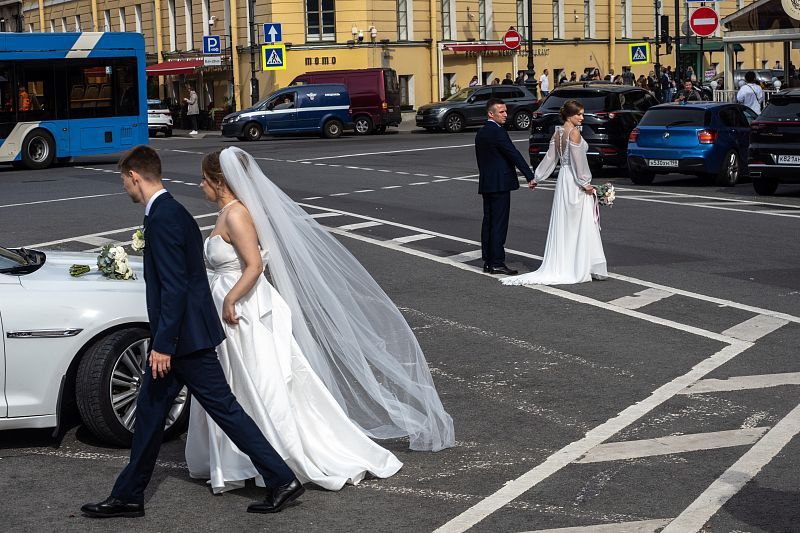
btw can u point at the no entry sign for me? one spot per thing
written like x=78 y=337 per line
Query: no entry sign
x=512 y=39
x=703 y=21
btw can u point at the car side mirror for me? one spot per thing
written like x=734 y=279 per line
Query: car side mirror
x=471 y=100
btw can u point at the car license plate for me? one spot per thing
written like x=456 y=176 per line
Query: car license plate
x=662 y=162
x=789 y=159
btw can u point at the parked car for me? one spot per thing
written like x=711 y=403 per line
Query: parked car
x=611 y=112
x=775 y=143
x=468 y=108
x=700 y=138
x=159 y=118
x=374 y=95
x=300 y=109
x=68 y=341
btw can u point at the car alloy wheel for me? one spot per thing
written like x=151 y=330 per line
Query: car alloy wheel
x=454 y=123
x=729 y=173
x=362 y=125
x=522 y=120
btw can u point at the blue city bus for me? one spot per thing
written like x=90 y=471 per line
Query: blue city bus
x=70 y=94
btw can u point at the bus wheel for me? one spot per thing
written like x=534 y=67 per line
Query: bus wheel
x=332 y=129
x=362 y=125
x=252 y=132
x=38 y=150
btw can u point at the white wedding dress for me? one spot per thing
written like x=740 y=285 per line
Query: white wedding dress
x=574 y=251
x=276 y=386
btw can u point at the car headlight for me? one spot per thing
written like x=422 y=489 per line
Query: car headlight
x=441 y=111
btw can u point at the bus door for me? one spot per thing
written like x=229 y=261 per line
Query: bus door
x=37 y=101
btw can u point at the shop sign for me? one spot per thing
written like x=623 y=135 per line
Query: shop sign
x=324 y=61
x=507 y=53
x=212 y=61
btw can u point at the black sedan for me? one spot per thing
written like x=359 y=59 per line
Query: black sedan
x=468 y=108
x=775 y=143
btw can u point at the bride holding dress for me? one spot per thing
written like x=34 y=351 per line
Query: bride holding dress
x=574 y=250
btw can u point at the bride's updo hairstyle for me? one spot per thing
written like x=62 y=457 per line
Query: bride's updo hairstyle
x=570 y=108
x=212 y=169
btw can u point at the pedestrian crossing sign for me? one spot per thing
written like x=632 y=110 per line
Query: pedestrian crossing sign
x=639 y=53
x=273 y=57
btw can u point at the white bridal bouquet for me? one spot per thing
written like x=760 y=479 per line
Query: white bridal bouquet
x=606 y=194
x=113 y=260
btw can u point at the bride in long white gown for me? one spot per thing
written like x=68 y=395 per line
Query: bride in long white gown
x=319 y=430
x=574 y=251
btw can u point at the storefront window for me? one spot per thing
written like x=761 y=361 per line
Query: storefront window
x=320 y=20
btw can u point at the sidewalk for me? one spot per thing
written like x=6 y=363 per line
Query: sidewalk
x=407 y=124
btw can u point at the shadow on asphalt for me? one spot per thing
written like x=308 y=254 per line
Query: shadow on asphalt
x=769 y=510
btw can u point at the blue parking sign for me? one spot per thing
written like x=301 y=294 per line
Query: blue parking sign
x=211 y=44
x=273 y=32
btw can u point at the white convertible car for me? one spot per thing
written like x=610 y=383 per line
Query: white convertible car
x=73 y=340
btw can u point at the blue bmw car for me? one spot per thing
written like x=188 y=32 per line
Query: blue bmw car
x=707 y=139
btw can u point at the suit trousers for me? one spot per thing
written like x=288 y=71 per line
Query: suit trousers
x=496 y=207
x=202 y=373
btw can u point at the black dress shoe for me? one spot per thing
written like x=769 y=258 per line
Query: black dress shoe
x=113 y=508
x=278 y=499
x=486 y=267
x=503 y=269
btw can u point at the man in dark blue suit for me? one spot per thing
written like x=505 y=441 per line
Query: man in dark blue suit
x=497 y=159
x=185 y=328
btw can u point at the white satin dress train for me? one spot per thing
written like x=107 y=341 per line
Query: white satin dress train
x=276 y=386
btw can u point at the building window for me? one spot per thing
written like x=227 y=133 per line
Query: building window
x=107 y=20
x=205 y=12
x=30 y=28
x=482 y=20
x=137 y=11
x=522 y=18
x=189 y=23
x=625 y=18
x=173 y=31
x=122 y=19
x=320 y=20
x=52 y=26
x=447 y=30
x=77 y=23
x=402 y=20
x=64 y=27
x=557 y=20
x=739 y=4
x=587 y=19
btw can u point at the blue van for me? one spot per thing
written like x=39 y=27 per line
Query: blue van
x=308 y=108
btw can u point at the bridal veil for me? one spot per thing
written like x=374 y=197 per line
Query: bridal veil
x=353 y=335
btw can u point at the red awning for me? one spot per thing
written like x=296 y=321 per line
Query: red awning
x=476 y=47
x=172 y=68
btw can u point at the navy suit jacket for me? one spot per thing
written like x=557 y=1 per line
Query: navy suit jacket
x=497 y=158
x=183 y=318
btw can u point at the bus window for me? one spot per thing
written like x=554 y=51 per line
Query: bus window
x=35 y=95
x=6 y=93
x=125 y=87
x=89 y=89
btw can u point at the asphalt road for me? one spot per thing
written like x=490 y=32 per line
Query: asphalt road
x=664 y=397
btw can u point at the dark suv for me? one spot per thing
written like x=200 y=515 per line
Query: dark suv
x=468 y=108
x=611 y=112
x=775 y=143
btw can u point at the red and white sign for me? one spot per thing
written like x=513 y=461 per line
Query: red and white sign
x=704 y=21
x=512 y=39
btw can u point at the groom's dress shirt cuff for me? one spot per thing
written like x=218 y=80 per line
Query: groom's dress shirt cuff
x=153 y=199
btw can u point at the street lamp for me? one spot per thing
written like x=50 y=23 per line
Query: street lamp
x=530 y=82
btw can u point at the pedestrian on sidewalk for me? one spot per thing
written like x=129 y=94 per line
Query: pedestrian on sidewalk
x=192 y=108
x=544 y=84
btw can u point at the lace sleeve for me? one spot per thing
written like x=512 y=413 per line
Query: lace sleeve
x=579 y=164
x=545 y=169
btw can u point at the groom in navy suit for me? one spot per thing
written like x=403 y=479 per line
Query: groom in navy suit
x=185 y=328
x=497 y=158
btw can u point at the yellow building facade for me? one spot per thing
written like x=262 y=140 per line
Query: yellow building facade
x=435 y=46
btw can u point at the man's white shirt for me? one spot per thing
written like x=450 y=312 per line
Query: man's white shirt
x=544 y=83
x=151 y=200
x=751 y=95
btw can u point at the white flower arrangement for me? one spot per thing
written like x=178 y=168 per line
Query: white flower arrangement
x=606 y=195
x=137 y=240
x=112 y=263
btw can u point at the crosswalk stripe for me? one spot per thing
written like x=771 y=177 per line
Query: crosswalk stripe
x=616 y=451
x=641 y=298
x=95 y=241
x=640 y=526
x=760 y=381
x=325 y=215
x=466 y=256
x=412 y=238
x=360 y=225
x=754 y=328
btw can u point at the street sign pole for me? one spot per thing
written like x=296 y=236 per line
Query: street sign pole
x=253 y=80
x=233 y=79
x=530 y=82
x=657 y=4
x=678 y=74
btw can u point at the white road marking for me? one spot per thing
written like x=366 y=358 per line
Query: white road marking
x=364 y=190
x=754 y=328
x=441 y=180
x=640 y=526
x=420 y=183
x=392 y=187
x=325 y=215
x=616 y=451
x=383 y=170
x=387 y=152
x=412 y=238
x=62 y=199
x=401 y=172
x=183 y=151
x=339 y=194
x=759 y=381
x=641 y=298
x=719 y=207
x=95 y=241
x=466 y=256
x=313 y=198
x=421 y=175
x=177 y=181
x=360 y=225
x=694 y=517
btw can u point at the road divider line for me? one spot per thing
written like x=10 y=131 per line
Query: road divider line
x=737 y=383
x=754 y=328
x=641 y=298
x=21 y=204
x=694 y=517
x=634 y=449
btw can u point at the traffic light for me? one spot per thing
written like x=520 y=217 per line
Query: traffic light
x=668 y=43
x=664 y=28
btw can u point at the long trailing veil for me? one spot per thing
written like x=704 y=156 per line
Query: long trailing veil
x=351 y=332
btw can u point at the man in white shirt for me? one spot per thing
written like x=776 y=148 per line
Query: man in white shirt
x=544 y=84
x=750 y=94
